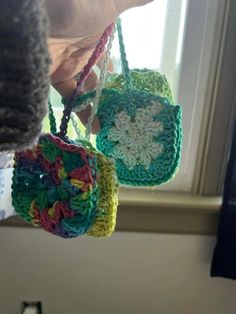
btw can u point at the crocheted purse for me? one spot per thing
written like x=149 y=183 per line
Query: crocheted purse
x=140 y=128
x=65 y=186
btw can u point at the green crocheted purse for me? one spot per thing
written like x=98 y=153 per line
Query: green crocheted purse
x=140 y=127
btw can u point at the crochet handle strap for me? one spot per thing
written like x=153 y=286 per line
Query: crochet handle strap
x=83 y=76
x=52 y=119
x=100 y=85
x=124 y=61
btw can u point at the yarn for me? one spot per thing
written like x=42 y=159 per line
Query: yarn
x=142 y=132
x=24 y=72
x=55 y=186
x=106 y=211
x=143 y=79
x=105 y=220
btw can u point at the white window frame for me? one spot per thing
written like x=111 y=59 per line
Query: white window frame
x=196 y=69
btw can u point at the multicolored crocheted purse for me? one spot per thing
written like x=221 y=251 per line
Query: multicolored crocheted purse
x=64 y=186
x=140 y=127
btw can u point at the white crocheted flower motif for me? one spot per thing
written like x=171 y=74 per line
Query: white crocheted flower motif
x=134 y=136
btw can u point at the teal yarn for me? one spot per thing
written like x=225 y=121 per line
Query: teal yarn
x=141 y=128
x=146 y=145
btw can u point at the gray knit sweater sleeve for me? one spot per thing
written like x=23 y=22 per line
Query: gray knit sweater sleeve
x=24 y=66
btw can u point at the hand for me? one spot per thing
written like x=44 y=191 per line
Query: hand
x=75 y=28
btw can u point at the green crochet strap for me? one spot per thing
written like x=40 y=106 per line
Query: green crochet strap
x=124 y=61
x=53 y=124
x=89 y=97
x=52 y=119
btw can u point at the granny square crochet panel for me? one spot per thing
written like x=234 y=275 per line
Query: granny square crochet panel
x=55 y=186
x=142 y=132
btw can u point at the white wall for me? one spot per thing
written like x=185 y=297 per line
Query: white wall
x=126 y=274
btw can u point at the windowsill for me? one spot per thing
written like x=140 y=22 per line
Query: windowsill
x=160 y=212
x=167 y=212
x=178 y=201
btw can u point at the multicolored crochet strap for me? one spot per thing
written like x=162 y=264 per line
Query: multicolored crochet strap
x=140 y=127
x=63 y=186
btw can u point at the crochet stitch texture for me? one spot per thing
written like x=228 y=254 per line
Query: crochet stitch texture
x=143 y=133
x=143 y=79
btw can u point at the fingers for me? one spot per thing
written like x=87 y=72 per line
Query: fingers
x=65 y=88
x=71 y=63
